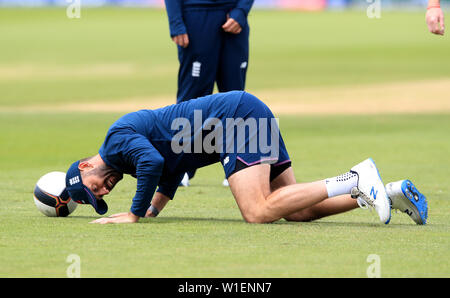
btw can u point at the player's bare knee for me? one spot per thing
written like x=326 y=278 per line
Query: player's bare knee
x=252 y=217
x=260 y=214
x=258 y=219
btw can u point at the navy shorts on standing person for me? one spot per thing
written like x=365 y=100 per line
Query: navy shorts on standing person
x=213 y=55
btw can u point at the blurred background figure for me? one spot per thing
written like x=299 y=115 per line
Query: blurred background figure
x=435 y=17
x=212 y=39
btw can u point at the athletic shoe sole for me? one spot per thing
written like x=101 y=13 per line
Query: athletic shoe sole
x=416 y=205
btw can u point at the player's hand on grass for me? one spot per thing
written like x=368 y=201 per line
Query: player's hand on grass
x=125 y=217
x=231 y=26
x=182 y=40
x=435 y=20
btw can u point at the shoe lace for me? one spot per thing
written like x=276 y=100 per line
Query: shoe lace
x=364 y=201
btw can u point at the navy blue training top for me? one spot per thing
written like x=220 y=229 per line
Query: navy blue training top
x=239 y=10
x=140 y=144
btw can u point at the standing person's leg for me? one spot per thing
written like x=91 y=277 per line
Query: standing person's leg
x=233 y=61
x=199 y=61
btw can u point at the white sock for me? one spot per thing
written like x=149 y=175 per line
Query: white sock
x=341 y=185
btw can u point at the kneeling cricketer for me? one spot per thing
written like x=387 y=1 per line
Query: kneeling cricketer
x=238 y=130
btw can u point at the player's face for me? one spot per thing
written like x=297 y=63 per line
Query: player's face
x=101 y=180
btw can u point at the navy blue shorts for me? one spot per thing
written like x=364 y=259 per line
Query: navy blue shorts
x=259 y=140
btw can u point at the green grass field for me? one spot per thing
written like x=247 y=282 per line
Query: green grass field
x=111 y=55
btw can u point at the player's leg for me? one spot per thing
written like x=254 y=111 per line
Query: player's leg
x=327 y=207
x=251 y=185
x=282 y=174
x=251 y=190
x=249 y=179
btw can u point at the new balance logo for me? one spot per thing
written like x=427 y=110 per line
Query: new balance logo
x=196 y=68
x=373 y=192
x=408 y=212
x=74 y=180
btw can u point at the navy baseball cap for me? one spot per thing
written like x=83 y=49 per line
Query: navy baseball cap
x=80 y=193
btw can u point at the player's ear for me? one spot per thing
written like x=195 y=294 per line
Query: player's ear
x=85 y=165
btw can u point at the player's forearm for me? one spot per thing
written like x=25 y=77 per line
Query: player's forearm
x=159 y=202
x=149 y=165
x=146 y=186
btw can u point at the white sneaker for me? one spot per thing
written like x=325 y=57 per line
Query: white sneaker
x=225 y=183
x=370 y=191
x=406 y=197
x=185 y=181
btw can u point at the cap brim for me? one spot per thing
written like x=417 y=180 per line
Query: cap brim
x=99 y=205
